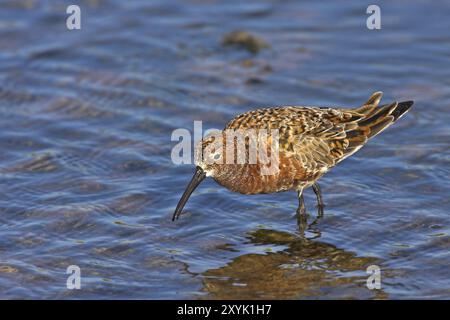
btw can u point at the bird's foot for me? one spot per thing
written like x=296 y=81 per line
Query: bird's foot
x=302 y=222
x=301 y=211
x=320 y=208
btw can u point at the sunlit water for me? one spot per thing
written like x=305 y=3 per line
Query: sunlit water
x=86 y=177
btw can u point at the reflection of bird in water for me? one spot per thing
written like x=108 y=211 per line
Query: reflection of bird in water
x=305 y=269
x=311 y=141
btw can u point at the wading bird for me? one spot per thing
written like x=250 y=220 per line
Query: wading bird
x=311 y=141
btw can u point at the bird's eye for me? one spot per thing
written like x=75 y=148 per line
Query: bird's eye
x=217 y=156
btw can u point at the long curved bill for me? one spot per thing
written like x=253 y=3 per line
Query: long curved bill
x=198 y=177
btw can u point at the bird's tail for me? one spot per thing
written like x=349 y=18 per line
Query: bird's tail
x=376 y=119
x=372 y=120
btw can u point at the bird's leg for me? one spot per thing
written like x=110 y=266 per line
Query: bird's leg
x=320 y=203
x=302 y=218
x=301 y=210
x=302 y=223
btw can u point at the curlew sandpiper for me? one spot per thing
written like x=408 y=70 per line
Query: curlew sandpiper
x=311 y=140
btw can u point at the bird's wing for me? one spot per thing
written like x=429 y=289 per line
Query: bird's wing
x=341 y=132
x=313 y=137
x=327 y=142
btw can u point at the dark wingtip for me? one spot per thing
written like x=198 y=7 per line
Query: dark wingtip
x=401 y=109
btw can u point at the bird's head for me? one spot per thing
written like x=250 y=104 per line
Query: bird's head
x=210 y=154
x=209 y=159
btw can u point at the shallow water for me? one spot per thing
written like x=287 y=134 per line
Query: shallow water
x=86 y=176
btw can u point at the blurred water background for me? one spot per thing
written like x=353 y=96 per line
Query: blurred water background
x=86 y=177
